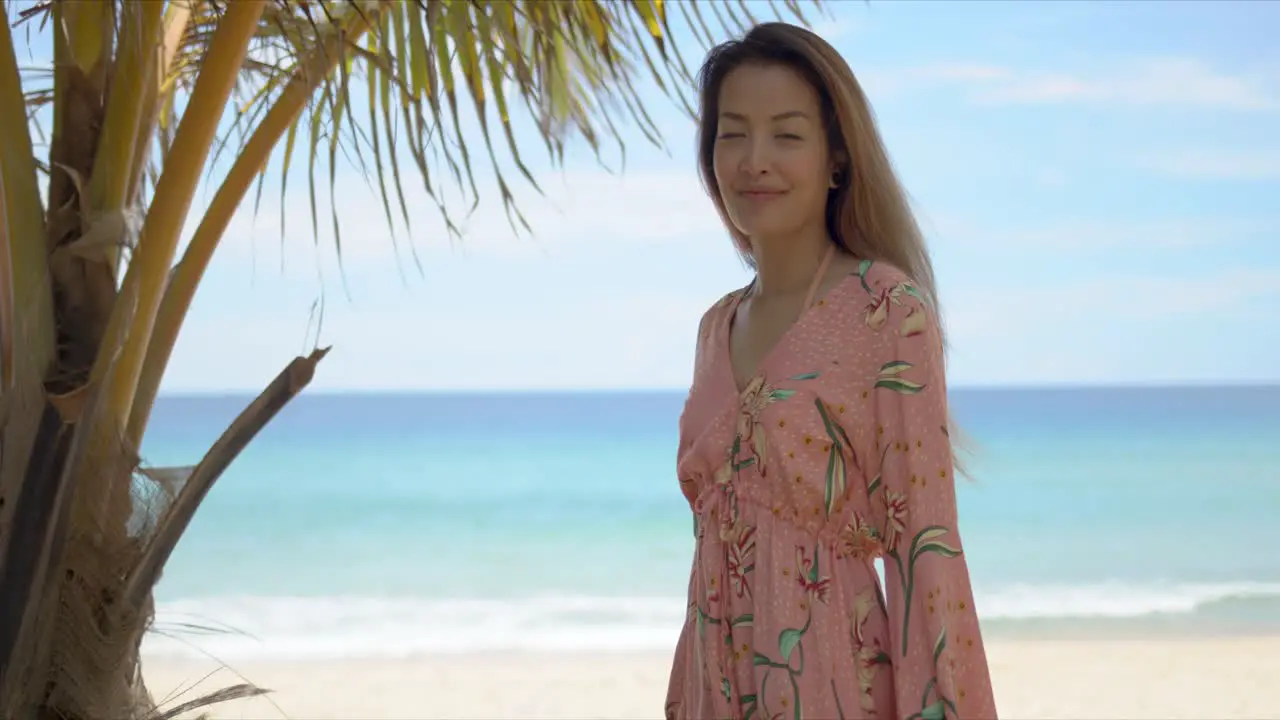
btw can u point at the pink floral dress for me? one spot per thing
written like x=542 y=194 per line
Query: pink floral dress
x=836 y=454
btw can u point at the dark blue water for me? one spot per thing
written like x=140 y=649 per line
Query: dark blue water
x=1123 y=503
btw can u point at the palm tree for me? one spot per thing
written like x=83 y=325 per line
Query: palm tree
x=135 y=102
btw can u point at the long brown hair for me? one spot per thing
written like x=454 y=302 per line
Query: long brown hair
x=868 y=213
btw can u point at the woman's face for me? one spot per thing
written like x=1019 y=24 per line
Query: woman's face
x=771 y=158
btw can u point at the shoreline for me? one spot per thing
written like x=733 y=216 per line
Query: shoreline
x=180 y=647
x=1065 y=679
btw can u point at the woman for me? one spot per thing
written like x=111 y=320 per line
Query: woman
x=814 y=439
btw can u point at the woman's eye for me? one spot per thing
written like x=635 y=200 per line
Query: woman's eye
x=730 y=136
x=789 y=136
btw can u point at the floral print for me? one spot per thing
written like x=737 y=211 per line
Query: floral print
x=834 y=456
x=858 y=539
x=740 y=558
x=895 y=519
x=868 y=655
x=815 y=585
x=755 y=398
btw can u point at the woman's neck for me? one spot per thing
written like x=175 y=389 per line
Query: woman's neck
x=787 y=266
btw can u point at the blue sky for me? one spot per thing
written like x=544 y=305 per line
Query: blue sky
x=1100 y=183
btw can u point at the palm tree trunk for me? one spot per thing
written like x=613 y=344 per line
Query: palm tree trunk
x=78 y=526
x=47 y=671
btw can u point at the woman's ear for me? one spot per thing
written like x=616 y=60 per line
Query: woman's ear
x=838 y=173
x=837 y=176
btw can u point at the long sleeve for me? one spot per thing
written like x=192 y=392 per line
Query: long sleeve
x=679 y=670
x=936 y=648
x=685 y=669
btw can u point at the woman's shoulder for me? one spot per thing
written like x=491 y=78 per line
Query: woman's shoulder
x=885 y=298
x=880 y=276
x=715 y=314
x=871 y=282
x=721 y=306
x=726 y=300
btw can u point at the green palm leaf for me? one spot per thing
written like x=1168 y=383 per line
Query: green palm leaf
x=444 y=90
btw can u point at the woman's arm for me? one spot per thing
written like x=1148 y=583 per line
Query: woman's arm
x=940 y=666
x=684 y=652
x=680 y=668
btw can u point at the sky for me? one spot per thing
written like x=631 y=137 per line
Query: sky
x=1099 y=183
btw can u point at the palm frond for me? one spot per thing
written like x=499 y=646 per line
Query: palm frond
x=433 y=77
x=429 y=70
x=451 y=90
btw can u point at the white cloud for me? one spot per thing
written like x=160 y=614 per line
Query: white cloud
x=882 y=81
x=1106 y=329
x=981 y=314
x=959 y=72
x=580 y=207
x=636 y=339
x=1163 y=82
x=1259 y=164
x=1123 y=328
x=833 y=29
x=1052 y=177
x=1180 y=82
x=1092 y=235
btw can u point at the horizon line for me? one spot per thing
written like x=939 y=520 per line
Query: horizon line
x=1056 y=385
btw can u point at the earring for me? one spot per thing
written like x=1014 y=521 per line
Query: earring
x=835 y=180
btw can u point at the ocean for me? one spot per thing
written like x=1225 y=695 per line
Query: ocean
x=392 y=525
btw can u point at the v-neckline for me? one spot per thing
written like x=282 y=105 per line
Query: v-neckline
x=726 y=337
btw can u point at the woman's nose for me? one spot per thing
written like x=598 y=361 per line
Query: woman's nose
x=755 y=160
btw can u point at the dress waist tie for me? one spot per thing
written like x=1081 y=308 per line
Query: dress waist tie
x=716 y=508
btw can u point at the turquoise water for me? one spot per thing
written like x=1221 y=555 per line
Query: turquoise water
x=395 y=524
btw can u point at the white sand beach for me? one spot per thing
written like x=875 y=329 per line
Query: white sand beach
x=1073 y=680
